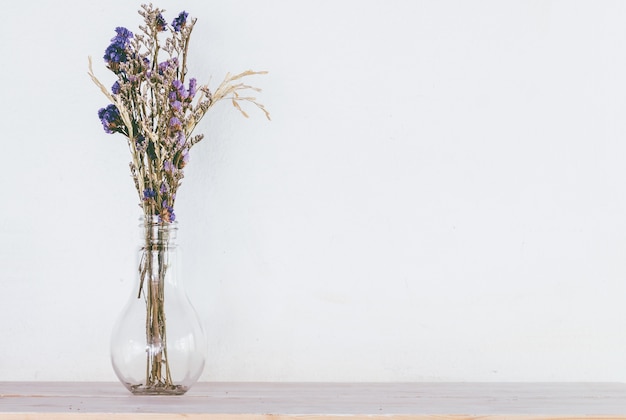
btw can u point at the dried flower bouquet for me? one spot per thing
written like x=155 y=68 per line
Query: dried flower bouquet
x=156 y=107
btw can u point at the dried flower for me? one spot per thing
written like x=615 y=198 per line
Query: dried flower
x=116 y=53
x=148 y=194
x=161 y=25
x=167 y=213
x=180 y=21
x=154 y=107
x=111 y=120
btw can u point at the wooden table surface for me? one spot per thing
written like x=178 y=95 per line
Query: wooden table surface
x=316 y=401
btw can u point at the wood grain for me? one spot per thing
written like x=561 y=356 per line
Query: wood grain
x=317 y=401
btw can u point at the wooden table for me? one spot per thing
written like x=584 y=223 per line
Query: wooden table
x=317 y=401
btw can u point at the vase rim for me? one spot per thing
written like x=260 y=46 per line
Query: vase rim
x=156 y=221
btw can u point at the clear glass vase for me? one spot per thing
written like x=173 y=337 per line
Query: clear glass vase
x=158 y=344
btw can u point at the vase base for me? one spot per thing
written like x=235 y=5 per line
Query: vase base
x=160 y=389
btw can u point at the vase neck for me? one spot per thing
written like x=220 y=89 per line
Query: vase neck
x=156 y=232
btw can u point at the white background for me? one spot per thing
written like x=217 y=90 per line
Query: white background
x=440 y=195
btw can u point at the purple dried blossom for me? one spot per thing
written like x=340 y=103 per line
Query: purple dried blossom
x=184 y=160
x=167 y=213
x=148 y=193
x=175 y=124
x=167 y=64
x=117 y=52
x=179 y=88
x=180 y=138
x=114 y=54
x=161 y=24
x=192 y=88
x=111 y=119
x=180 y=21
x=177 y=85
x=123 y=36
x=115 y=89
x=177 y=105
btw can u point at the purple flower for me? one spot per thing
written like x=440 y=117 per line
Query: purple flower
x=148 y=193
x=167 y=212
x=192 y=88
x=180 y=138
x=171 y=63
x=117 y=52
x=163 y=66
x=179 y=88
x=180 y=21
x=167 y=165
x=177 y=105
x=161 y=25
x=115 y=88
x=175 y=124
x=123 y=36
x=111 y=119
x=184 y=160
x=178 y=85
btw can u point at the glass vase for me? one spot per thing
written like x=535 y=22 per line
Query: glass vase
x=158 y=344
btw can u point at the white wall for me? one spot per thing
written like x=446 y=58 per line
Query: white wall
x=441 y=194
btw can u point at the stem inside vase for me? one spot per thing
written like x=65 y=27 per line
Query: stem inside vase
x=158 y=346
x=152 y=271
